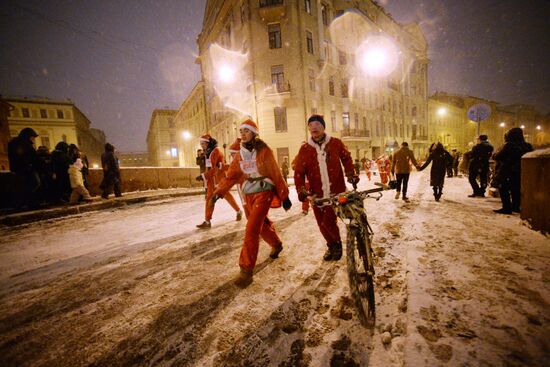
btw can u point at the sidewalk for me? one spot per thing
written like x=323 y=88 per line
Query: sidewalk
x=97 y=204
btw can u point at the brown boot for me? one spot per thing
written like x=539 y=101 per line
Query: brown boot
x=244 y=279
x=275 y=251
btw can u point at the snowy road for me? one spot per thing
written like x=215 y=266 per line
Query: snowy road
x=456 y=285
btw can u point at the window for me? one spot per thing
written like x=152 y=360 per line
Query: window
x=274 y=31
x=281 y=154
x=345 y=120
x=413 y=111
x=174 y=152
x=342 y=58
x=280 y=119
x=64 y=138
x=344 y=88
x=45 y=141
x=307 y=6
x=326 y=51
x=312 y=84
x=309 y=42
x=25 y=112
x=60 y=114
x=324 y=14
x=278 y=77
x=172 y=137
x=364 y=125
x=356 y=120
x=333 y=121
x=244 y=12
x=43 y=113
x=170 y=122
x=331 y=86
x=264 y=3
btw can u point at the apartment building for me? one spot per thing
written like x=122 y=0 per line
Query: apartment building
x=279 y=61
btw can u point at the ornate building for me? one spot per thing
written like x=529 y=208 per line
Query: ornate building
x=280 y=61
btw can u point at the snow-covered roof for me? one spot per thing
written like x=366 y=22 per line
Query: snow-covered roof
x=538 y=153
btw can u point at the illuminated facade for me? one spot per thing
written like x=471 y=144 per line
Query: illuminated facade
x=191 y=124
x=162 y=139
x=56 y=121
x=449 y=125
x=293 y=58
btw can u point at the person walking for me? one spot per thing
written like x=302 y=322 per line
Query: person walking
x=508 y=171
x=455 y=154
x=77 y=183
x=263 y=187
x=319 y=161
x=23 y=163
x=440 y=159
x=284 y=169
x=401 y=167
x=479 y=166
x=212 y=176
x=384 y=166
x=111 y=173
x=367 y=164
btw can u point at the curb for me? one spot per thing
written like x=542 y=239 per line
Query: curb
x=44 y=214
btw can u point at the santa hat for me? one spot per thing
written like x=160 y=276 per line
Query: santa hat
x=250 y=125
x=236 y=146
x=206 y=138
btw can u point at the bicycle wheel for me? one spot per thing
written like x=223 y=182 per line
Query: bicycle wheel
x=360 y=275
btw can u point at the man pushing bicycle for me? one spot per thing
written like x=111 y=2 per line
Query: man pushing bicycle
x=320 y=161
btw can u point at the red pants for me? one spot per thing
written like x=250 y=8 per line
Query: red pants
x=258 y=224
x=305 y=205
x=326 y=220
x=209 y=210
x=384 y=177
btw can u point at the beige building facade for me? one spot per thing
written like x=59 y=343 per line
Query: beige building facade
x=191 y=123
x=162 y=139
x=449 y=125
x=293 y=58
x=56 y=121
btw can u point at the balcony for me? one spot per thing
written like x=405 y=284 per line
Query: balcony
x=272 y=10
x=278 y=89
x=419 y=138
x=354 y=134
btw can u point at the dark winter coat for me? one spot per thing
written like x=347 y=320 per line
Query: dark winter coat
x=60 y=167
x=480 y=155
x=21 y=153
x=440 y=160
x=508 y=157
x=109 y=162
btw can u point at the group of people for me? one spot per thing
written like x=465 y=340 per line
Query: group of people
x=262 y=186
x=58 y=177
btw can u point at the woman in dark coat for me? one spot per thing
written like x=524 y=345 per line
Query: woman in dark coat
x=441 y=160
x=508 y=170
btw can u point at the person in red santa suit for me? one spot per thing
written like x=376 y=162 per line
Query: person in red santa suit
x=320 y=161
x=263 y=187
x=384 y=167
x=367 y=164
x=214 y=174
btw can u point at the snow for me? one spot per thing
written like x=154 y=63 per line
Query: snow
x=456 y=284
x=538 y=153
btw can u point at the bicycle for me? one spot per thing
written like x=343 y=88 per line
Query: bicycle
x=349 y=206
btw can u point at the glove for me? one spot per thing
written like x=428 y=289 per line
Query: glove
x=199 y=178
x=353 y=179
x=287 y=204
x=302 y=196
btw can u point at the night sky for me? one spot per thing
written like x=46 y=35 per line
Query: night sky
x=119 y=60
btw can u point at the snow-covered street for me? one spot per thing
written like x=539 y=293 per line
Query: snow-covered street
x=456 y=285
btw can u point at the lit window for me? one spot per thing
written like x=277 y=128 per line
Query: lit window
x=307 y=6
x=174 y=152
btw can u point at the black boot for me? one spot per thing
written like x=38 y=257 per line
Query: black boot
x=334 y=252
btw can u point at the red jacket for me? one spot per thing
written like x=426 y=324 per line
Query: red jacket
x=267 y=167
x=321 y=165
x=215 y=170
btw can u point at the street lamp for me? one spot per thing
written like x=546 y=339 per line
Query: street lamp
x=442 y=111
x=502 y=124
x=377 y=56
x=186 y=135
x=522 y=126
x=538 y=127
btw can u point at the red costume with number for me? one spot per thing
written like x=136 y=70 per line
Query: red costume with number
x=215 y=173
x=321 y=164
x=263 y=187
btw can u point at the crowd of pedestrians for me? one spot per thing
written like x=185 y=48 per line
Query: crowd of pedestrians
x=57 y=177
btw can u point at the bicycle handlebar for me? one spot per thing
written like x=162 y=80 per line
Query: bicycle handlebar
x=364 y=194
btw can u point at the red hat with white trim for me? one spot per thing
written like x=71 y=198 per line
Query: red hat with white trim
x=206 y=138
x=250 y=125
x=236 y=146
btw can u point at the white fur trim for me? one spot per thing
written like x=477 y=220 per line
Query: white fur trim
x=249 y=127
x=322 y=160
x=205 y=140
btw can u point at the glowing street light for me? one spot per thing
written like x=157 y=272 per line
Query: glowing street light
x=167 y=152
x=95 y=165
x=186 y=135
x=522 y=126
x=502 y=124
x=442 y=111
x=226 y=74
x=377 y=56
x=538 y=127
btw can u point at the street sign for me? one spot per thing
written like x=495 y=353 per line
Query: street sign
x=479 y=112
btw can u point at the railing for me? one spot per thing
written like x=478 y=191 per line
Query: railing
x=420 y=137
x=347 y=132
x=265 y=3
